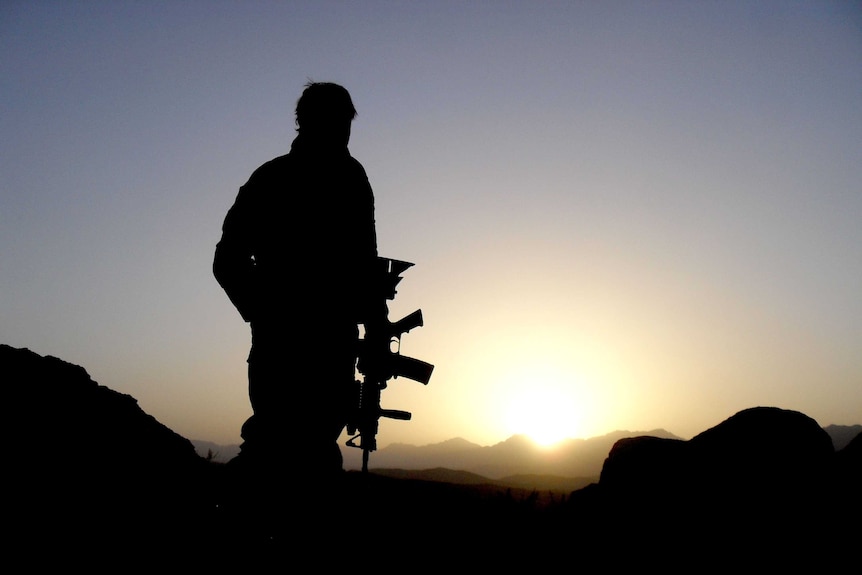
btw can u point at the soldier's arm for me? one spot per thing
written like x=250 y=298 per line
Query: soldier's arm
x=233 y=264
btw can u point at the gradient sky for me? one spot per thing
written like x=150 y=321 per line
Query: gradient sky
x=623 y=215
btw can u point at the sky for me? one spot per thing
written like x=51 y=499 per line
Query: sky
x=622 y=215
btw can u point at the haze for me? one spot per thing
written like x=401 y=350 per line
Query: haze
x=623 y=215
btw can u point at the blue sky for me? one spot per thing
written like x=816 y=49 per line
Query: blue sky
x=624 y=215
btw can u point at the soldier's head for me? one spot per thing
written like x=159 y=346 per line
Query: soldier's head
x=324 y=113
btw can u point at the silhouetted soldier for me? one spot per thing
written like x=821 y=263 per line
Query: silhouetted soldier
x=295 y=258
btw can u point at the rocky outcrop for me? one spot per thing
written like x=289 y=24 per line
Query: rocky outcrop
x=89 y=451
x=62 y=416
x=764 y=482
x=762 y=450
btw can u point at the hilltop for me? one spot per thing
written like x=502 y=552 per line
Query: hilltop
x=95 y=480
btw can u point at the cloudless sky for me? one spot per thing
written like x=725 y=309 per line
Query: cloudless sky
x=623 y=215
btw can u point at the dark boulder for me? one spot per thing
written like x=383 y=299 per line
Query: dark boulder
x=763 y=483
x=86 y=459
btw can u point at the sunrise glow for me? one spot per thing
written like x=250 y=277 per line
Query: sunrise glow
x=622 y=215
x=545 y=411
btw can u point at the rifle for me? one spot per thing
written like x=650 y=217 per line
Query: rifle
x=378 y=362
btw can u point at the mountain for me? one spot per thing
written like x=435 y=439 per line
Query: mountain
x=526 y=483
x=214 y=451
x=92 y=452
x=75 y=421
x=842 y=435
x=517 y=455
x=568 y=464
x=92 y=480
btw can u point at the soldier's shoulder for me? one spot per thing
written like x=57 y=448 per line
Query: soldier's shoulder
x=273 y=166
x=267 y=173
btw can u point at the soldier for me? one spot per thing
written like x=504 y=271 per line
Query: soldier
x=296 y=257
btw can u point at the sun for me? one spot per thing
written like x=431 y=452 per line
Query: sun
x=546 y=414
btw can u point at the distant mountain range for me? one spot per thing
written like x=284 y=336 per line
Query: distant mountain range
x=516 y=456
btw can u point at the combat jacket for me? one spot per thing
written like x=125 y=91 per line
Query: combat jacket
x=299 y=243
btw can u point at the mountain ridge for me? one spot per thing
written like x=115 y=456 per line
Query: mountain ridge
x=516 y=455
x=572 y=458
